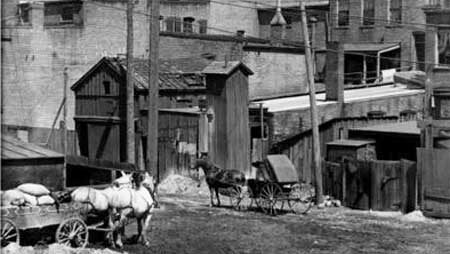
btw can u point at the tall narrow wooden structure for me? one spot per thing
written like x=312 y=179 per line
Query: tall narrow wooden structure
x=227 y=95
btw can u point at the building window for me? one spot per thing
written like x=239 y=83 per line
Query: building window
x=23 y=12
x=187 y=24
x=343 y=12
x=395 y=11
x=368 y=12
x=62 y=13
x=173 y=24
x=203 y=26
x=443 y=46
x=107 y=87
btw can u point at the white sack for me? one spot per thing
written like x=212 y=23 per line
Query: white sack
x=30 y=199
x=45 y=200
x=12 y=197
x=33 y=189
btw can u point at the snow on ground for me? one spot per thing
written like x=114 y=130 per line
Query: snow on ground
x=52 y=249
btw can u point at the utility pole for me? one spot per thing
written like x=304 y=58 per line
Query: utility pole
x=312 y=100
x=153 y=87
x=130 y=86
x=66 y=82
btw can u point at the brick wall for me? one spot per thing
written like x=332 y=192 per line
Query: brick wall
x=381 y=31
x=34 y=58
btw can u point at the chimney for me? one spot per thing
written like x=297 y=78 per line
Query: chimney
x=334 y=80
x=278 y=25
x=37 y=14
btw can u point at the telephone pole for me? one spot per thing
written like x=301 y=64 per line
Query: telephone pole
x=153 y=87
x=130 y=85
x=312 y=101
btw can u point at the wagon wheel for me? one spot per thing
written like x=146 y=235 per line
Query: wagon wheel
x=10 y=233
x=72 y=232
x=301 y=198
x=268 y=198
x=235 y=195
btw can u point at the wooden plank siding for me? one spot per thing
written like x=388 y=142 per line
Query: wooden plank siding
x=375 y=184
x=435 y=193
x=299 y=147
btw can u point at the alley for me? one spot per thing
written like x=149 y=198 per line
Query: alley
x=188 y=225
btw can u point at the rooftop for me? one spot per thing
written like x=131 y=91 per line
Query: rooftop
x=409 y=127
x=353 y=95
x=350 y=142
x=13 y=148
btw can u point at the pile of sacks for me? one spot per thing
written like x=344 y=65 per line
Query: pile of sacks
x=329 y=201
x=27 y=194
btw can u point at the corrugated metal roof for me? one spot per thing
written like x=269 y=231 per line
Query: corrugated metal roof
x=13 y=148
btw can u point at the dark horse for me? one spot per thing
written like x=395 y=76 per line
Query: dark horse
x=218 y=178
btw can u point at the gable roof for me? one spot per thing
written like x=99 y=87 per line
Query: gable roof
x=174 y=74
x=225 y=68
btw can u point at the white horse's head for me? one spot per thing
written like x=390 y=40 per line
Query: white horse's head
x=147 y=181
x=124 y=181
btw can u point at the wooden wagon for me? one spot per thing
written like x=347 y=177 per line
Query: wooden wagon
x=273 y=187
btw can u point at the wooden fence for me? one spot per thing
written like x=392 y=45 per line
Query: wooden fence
x=433 y=166
x=298 y=148
x=376 y=185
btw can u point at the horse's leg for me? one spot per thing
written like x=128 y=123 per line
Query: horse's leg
x=139 y=229
x=211 y=194
x=121 y=227
x=110 y=224
x=217 y=196
x=147 y=219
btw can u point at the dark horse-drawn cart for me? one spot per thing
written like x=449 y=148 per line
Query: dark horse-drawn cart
x=273 y=186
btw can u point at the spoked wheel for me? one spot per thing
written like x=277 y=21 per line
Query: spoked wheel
x=301 y=198
x=73 y=232
x=10 y=233
x=268 y=198
x=235 y=195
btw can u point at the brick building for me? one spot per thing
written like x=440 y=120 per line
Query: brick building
x=382 y=30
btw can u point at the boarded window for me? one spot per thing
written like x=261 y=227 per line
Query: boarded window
x=395 y=11
x=444 y=46
x=343 y=12
x=62 y=13
x=23 y=12
x=188 y=25
x=369 y=12
x=203 y=26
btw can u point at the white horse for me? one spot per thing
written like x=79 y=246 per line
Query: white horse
x=100 y=200
x=136 y=202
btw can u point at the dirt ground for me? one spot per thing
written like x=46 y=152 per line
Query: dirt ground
x=186 y=224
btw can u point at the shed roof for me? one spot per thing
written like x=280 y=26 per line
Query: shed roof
x=13 y=148
x=350 y=96
x=416 y=78
x=174 y=74
x=226 y=67
x=370 y=47
x=409 y=127
x=350 y=142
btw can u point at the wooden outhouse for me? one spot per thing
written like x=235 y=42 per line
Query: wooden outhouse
x=227 y=96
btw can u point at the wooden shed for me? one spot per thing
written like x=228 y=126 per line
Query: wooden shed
x=28 y=163
x=350 y=149
x=221 y=92
x=227 y=95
